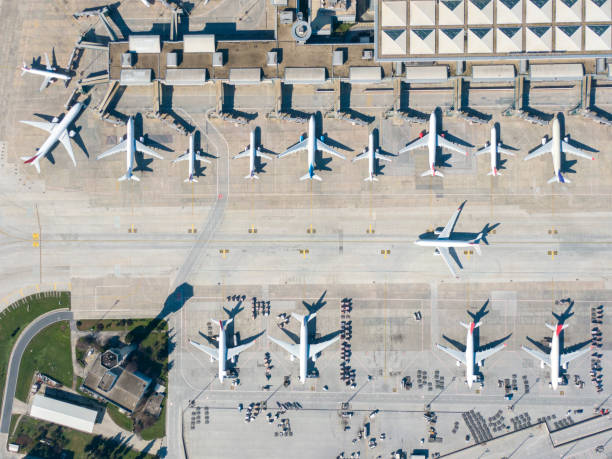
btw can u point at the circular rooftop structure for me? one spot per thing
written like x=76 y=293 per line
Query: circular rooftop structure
x=301 y=31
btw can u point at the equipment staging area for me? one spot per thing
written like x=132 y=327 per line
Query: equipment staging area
x=186 y=250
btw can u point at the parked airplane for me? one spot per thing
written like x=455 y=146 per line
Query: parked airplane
x=493 y=147
x=445 y=244
x=58 y=131
x=471 y=357
x=304 y=350
x=146 y=3
x=252 y=151
x=371 y=153
x=130 y=145
x=432 y=140
x=556 y=358
x=49 y=73
x=311 y=144
x=191 y=155
x=223 y=353
x=556 y=146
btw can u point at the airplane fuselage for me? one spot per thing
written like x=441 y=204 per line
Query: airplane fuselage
x=556 y=146
x=469 y=356
x=371 y=155
x=312 y=144
x=555 y=359
x=56 y=132
x=222 y=351
x=46 y=73
x=130 y=147
x=444 y=243
x=303 y=349
x=191 y=157
x=252 y=154
x=432 y=141
x=494 y=150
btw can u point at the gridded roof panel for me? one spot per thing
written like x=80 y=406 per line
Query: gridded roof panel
x=393 y=13
x=450 y=12
x=538 y=11
x=509 y=40
x=450 y=41
x=422 y=41
x=597 y=38
x=480 y=40
x=598 y=10
x=568 y=38
x=538 y=39
x=509 y=12
x=480 y=12
x=422 y=12
x=568 y=11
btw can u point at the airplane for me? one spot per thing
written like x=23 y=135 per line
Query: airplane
x=304 y=350
x=556 y=146
x=252 y=151
x=432 y=140
x=58 y=131
x=371 y=153
x=49 y=73
x=311 y=144
x=493 y=147
x=556 y=358
x=130 y=145
x=445 y=244
x=146 y=3
x=191 y=155
x=223 y=353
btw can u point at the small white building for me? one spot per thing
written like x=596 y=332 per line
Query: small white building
x=63 y=413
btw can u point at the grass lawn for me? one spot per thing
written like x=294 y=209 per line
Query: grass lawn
x=119 y=418
x=30 y=431
x=111 y=324
x=17 y=316
x=157 y=430
x=49 y=353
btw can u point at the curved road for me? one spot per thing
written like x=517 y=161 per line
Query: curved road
x=15 y=360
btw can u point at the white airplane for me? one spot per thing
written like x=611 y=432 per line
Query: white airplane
x=471 y=357
x=311 y=144
x=493 y=147
x=556 y=146
x=555 y=358
x=432 y=140
x=58 y=131
x=371 y=153
x=252 y=151
x=191 y=155
x=223 y=353
x=304 y=350
x=444 y=243
x=130 y=145
x=146 y=3
x=49 y=73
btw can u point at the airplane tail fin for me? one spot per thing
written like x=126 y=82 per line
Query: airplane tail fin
x=468 y=326
x=432 y=172
x=191 y=179
x=309 y=177
x=551 y=327
x=23 y=69
x=370 y=178
x=32 y=160
x=251 y=177
x=128 y=176
x=464 y=325
x=494 y=173
x=224 y=323
x=559 y=179
x=297 y=317
x=312 y=316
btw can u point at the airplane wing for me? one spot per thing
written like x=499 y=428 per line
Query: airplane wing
x=442 y=142
x=242 y=154
x=538 y=355
x=566 y=358
x=362 y=155
x=201 y=158
x=448 y=229
x=383 y=157
x=546 y=148
x=291 y=348
x=419 y=143
x=147 y=151
x=303 y=145
x=44 y=125
x=458 y=356
x=318 y=347
x=234 y=351
x=505 y=151
x=447 y=259
x=65 y=139
x=327 y=149
x=483 y=150
x=567 y=148
x=121 y=146
x=183 y=157
x=482 y=355
x=213 y=353
x=45 y=83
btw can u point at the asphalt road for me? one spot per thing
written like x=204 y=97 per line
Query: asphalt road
x=30 y=332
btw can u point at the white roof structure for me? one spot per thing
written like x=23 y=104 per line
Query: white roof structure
x=509 y=11
x=135 y=77
x=538 y=38
x=556 y=72
x=450 y=41
x=63 y=413
x=144 y=44
x=598 y=10
x=393 y=41
x=538 y=11
x=504 y=72
x=568 y=38
x=304 y=75
x=509 y=40
x=597 y=38
x=365 y=74
x=426 y=74
x=480 y=12
x=422 y=12
x=480 y=40
x=199 y=43
x=568 y=11
x=450 y=12
x=185 y=77
x=245 y=76
x=393 y=13
x=422 y=41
